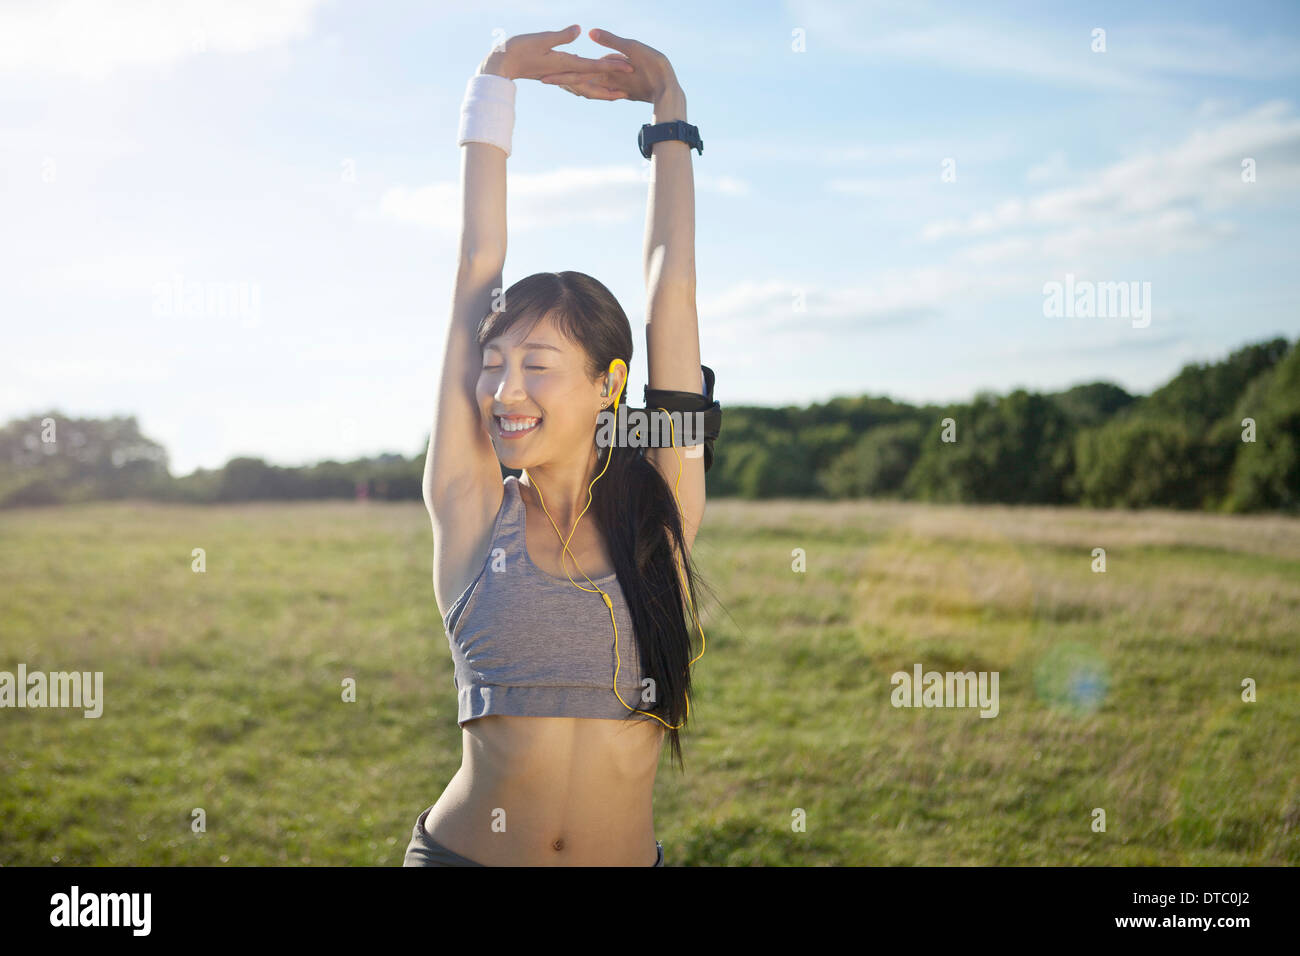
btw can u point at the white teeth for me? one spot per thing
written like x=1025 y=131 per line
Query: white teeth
x=518 y=426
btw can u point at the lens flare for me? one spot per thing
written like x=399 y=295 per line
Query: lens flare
x=1072 y=677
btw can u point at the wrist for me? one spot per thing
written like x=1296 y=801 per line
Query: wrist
x=670 y=104
x=487 y=114
x=495 y=62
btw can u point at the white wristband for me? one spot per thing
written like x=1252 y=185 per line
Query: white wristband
x=488 y=113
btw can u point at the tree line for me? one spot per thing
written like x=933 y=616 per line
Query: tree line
x=1222 y=436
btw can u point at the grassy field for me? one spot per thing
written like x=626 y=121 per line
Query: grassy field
x=1118 y=690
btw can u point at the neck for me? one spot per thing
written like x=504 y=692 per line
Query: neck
x=564 y=489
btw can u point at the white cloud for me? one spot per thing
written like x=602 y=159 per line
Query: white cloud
x=1163 y=233
x=436 y=206
x=925 y=154
x=730 y=186
x=1142 y=58
x=1142 y=207
x=121 y=272
x=571 y=194
x=807 y=309
x=1202 y=172
x=1054 y=167
x=90 y=39
x=884 y=187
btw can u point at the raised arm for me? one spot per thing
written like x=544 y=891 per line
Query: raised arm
x=461 y=458
x=461 y=462
x=672 y=324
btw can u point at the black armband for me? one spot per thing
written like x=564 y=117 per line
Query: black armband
x=686 y=403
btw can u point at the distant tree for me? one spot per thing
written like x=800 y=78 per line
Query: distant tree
x=1181 y=446
x=250 y=479
x=1201 y=394
x=1092 y=404
x=1177 y=447
x=1007 y=450
x=741 y=470
x=823 y=443
x=878 y=463
x=49 y=458
x=1139 y=463
x=1266 y=472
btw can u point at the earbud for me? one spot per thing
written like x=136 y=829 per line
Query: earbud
x=610 y=372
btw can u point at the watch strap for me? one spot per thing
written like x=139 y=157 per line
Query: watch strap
x=671 y=130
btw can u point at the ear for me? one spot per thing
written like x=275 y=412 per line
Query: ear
x=615 y=380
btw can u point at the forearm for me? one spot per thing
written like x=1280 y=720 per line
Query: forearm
x=483 y=194
x=670 y=213
x=483 y=211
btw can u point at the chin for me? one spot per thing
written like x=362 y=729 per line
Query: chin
x=513 y=459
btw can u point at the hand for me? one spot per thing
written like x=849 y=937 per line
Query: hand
x=594 y=86
x=530 y=56
x=649 y=79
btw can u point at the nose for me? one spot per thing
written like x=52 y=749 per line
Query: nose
x=510 y=386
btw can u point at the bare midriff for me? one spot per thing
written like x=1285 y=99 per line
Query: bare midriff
x=552 y=791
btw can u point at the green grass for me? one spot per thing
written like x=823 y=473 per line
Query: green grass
x=223 y=690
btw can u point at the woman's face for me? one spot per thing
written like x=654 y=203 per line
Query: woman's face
x=534 y=396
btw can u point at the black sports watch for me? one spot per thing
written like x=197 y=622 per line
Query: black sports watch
x=674 y=129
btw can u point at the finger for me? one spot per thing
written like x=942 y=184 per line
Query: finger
x=596 y=90
x=568 y=77
x=585 y=87
x=617 y=59
x=581 y=64
x=605 y=38
x=567 y=35
x=553 y=38
x=564 y=81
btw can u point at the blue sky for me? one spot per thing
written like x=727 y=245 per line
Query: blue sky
x=302 y=154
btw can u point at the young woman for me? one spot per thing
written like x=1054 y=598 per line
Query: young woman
x=572 y=663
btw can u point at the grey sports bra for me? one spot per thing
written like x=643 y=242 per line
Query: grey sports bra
x=528 y=644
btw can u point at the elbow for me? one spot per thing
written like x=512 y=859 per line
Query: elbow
x=670 y=270
x=675 y=284
x=479 y=261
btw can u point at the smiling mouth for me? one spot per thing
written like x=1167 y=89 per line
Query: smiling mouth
x=516 y=427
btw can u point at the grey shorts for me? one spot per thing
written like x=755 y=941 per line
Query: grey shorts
x=423 y=850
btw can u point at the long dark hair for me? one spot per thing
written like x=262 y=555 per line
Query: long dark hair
x=633 y=505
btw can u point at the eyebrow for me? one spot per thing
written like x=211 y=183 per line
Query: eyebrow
x=527 y=345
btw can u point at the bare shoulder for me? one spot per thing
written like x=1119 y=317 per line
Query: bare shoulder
x=462 y=521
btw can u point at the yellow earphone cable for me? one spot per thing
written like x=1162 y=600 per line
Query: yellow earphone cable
x=605 y=597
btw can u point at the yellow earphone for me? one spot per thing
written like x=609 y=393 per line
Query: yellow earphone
x=595 y=589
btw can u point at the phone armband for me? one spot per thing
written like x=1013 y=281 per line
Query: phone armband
x=687 y=403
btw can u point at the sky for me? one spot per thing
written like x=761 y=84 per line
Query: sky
x=237 y=219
